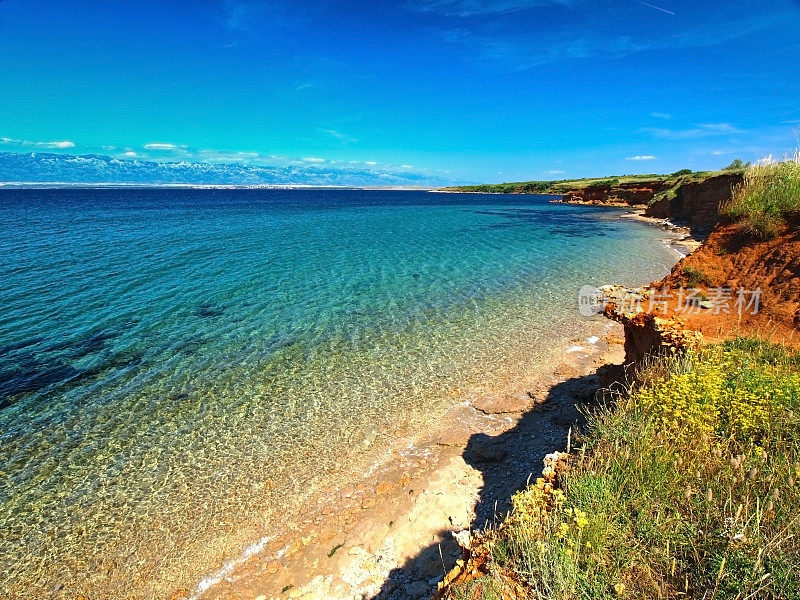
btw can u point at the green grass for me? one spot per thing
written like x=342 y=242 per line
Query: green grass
x=484 y=588
x=564 y=185
x=685 y=488
x=670 y=194
x=768 y=196
x=696 y=277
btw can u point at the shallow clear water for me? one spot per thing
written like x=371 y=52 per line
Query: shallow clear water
x=179 y=367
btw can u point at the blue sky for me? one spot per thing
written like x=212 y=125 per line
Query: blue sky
x=498 y=90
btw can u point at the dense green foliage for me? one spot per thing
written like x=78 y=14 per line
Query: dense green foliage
x=737 y=165
x=685 y=488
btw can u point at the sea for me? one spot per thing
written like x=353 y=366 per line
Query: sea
x=181 y=368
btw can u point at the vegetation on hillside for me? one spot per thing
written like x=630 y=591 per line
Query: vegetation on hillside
x=562 y=186
x=769 y=195
x=737 y=165
x=685 y=487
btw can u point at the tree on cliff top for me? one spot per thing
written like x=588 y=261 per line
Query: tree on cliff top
x=737 y=165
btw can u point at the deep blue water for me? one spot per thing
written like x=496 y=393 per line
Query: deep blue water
x=174 y=361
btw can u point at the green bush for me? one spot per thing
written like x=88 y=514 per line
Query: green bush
x=737 y=165
x=696 y=277
x=610 y=182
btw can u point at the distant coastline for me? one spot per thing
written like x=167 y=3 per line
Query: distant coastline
x=688 y=198
x=92 y=169
x=58 y=185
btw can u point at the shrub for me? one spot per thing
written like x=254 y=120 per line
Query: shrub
x=483 y=588
x=609 y=182
x=696 y=277
x=737 y=165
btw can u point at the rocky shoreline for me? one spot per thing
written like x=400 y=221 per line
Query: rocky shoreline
x=723 y=271
x=393 y=536
x=682 y=239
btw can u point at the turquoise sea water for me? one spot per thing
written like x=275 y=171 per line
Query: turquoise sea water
x=179 y=367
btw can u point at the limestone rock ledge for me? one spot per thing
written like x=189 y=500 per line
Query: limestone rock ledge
x=646 y=333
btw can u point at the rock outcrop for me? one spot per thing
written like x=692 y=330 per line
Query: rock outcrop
x=733 y=285
x=692 y=203
x=647 y=333
x=621 y=194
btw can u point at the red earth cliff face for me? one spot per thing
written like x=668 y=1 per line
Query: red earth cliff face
x=696 y=202
x=729 y=259
x=623 y=194
x=726 y=262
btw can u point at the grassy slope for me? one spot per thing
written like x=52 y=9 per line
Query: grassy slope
x=687 y=488
x=768 y=197
x=564 y=185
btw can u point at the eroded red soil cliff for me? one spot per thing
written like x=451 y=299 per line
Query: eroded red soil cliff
x=623 y=194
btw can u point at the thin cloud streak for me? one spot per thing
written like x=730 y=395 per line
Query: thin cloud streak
x=669 y=12
x=470 y=8
x=342 y=137
x=524 y=53
x=702 y=130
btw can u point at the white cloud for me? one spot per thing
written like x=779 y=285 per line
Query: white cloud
x=227 y=156
x=661 y=115
x=129 y=154
x=313 y=159
x=342 y=137
x=555 y=172
x=701 y=130
x=371 y=163
x=61 y=145
x=163 y=146
x=641 y=157
x=719 y=127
